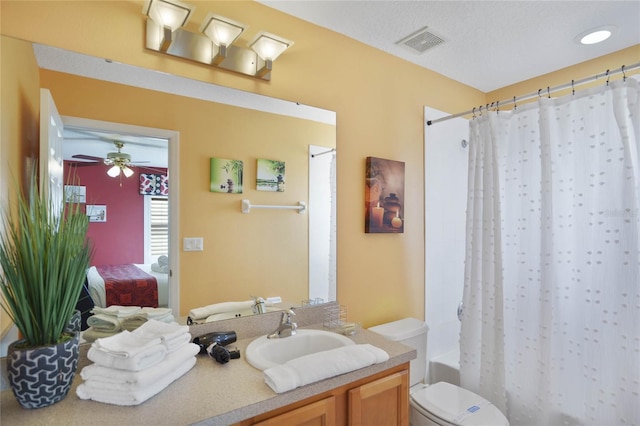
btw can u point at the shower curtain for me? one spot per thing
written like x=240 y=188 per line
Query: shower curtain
x=551 y=323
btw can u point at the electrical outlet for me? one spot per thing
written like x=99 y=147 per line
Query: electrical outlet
x=193 y=244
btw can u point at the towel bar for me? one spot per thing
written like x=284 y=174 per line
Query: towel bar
x=247 y=206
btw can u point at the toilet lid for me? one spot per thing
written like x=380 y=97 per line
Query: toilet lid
x=458 y=406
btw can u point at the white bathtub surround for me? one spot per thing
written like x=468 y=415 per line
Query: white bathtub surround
x=551 y=326
x=446 y=163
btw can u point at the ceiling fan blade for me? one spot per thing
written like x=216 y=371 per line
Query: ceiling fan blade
x=85 y=163
x=87 y=157
x=151 y=170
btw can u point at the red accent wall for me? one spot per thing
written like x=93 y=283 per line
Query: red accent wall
x=121 y=238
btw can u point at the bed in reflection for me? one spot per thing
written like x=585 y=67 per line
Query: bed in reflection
x=128 y=285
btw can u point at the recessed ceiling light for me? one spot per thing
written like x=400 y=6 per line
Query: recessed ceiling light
x=596 y=35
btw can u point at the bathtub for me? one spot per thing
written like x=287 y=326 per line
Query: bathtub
x=445 y=368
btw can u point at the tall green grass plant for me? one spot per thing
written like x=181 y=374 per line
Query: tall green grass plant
x=44 y=256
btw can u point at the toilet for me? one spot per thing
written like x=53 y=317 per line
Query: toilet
x=442 y=403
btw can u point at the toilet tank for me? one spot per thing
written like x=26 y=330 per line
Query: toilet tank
x=413 y=333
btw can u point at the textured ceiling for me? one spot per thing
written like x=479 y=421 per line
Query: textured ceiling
x=488 y=44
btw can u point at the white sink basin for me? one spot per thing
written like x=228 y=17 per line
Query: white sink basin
x=263 y=353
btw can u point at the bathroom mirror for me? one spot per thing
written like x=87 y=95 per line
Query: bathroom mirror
x=97 y=68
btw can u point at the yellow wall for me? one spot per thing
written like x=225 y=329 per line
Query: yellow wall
x=19 y=103
x=264 y=253
x=378 y=98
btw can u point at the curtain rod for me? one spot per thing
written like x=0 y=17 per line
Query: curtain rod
x=322 y=153
x=515 y=99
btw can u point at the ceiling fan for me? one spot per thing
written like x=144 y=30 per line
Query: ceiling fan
x=119 y=161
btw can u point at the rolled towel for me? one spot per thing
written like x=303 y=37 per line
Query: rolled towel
x=125 y=344
x=91 y=334
x=161 y=269
x=218 y=308
x=97 y=376
x=322 y=365
x=163 y=260
x=144 y=359
x=103 y=322
x=133 y=322
x=139 y=396
x=117 y=310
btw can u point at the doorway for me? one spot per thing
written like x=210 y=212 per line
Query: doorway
x=131 y=140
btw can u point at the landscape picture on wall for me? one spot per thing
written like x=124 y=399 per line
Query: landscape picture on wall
x=270 y=175
x=226 y=176
x=96 y=213
x=384 y=196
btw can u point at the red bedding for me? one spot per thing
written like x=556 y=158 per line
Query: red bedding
x=128 y=285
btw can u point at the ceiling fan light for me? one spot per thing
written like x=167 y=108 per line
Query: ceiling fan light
x=114 y=171
x=127 y=171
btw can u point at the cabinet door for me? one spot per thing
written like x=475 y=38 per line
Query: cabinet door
x=320 y=413
x=383 y=402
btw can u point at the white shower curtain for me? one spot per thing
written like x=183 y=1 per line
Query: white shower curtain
x=551 y=322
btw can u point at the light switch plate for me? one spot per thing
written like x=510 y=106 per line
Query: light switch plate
x=193 y=244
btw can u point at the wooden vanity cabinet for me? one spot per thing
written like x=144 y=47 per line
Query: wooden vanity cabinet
x=381 y=399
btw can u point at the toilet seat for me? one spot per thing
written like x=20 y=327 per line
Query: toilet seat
x=448 y=404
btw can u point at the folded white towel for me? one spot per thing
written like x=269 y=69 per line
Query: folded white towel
x=117 y=310
x=171 y=335
x=156 y=313
x=139 y=396
x=125 y=344
x=322 y=365
x=218 y=308
x=103 y=322
x=99 y=377
x=146 y=358
x=161 y=269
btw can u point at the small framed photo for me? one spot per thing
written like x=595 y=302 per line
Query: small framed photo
x=225 y=175
x=97 y=213
x=270 y=175
x=75 y=194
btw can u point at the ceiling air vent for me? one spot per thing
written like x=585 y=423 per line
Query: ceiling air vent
x=421 y=41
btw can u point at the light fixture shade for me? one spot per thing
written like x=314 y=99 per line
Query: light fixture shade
x=127 y=171
x=220 y=30
x=269 y=46
x=168 y=13
x=114 y=171
x=596 y=35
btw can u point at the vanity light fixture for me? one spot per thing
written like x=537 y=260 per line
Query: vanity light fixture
x=213 y=45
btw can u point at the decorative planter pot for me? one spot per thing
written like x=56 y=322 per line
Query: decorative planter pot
x=42 y=376
x=75 y=323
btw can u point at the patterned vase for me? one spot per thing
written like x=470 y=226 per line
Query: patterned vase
x=75 y=323
x=42 y=376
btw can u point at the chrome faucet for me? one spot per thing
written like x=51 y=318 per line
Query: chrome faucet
x=286 y=327
x=258 y=305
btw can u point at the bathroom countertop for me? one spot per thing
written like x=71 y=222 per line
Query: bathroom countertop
x=209 y=394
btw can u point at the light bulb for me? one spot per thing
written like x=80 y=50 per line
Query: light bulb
x=127 y=171
x=114 y=171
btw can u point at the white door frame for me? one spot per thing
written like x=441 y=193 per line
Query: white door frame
x=174 y=195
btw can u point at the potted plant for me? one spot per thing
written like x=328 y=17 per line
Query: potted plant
x=44 y=256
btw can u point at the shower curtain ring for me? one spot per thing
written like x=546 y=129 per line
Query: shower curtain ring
x=624 y=76
x=539 y=90
x=474 y=113
x=573 y=89
x=548 y=93
x=607 y=74
x=515 y=105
